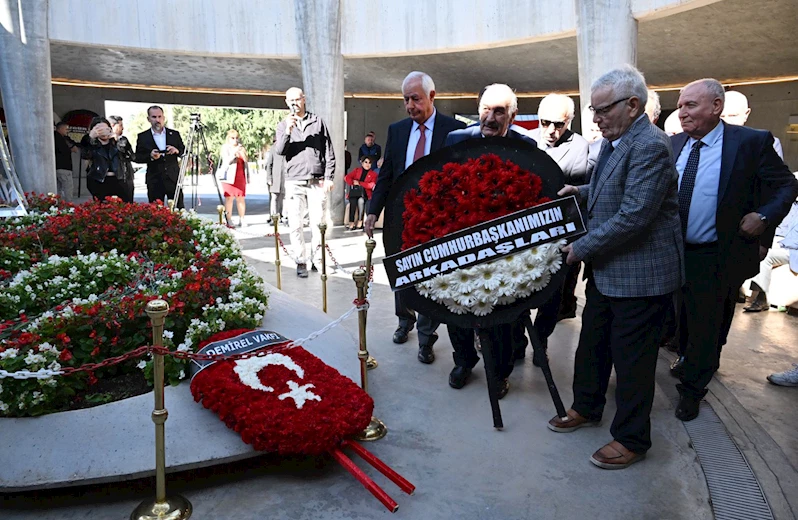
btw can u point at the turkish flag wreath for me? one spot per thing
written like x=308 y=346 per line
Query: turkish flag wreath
x=290 y=402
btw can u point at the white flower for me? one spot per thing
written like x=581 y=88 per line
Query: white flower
x=482 y=308
x=506 y=300
x=168 y=334
x=541 y=282
x=141 y=365
x=441 y=286
x=3 y=407
x=9 y=353
x=32 y=358
x=487 y=276
x=455 y=307
x=463 y=281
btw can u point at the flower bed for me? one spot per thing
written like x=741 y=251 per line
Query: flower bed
x=74 y=282
x=464 y=195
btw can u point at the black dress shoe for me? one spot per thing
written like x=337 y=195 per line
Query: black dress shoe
x=687 y=410
x=504 y=387
x=314 y=268
x=458 y=377
x=758 y=305
x=671 y=344
x=519 y=354
x=677 y=367
x=425 y=354
x=400 y=335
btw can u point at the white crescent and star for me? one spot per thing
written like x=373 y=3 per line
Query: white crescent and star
x=247 y=371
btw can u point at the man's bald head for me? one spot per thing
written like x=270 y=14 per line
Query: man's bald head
x=295 y=100
x=735 y=108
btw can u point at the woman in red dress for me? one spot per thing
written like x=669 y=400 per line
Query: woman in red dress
x=234 y=163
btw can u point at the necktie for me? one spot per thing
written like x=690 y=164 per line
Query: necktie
x=687 y=185
x=604 y=156
x=421 y=145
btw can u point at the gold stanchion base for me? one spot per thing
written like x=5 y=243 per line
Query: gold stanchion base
x=375 y=431
x=371 y=363
x=174 y=507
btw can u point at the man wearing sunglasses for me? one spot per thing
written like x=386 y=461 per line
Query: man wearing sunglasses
x=570 y=151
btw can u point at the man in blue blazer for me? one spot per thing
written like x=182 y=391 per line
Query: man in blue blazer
x=408 y=140
x=734 y=190
x=498 y=107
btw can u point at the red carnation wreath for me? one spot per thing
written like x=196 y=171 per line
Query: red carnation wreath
x=464 y=195
x=308 y=414
x=274 y=413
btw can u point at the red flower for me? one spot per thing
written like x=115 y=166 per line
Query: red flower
x=95 y=352
x=464 y=195
x=65 y=355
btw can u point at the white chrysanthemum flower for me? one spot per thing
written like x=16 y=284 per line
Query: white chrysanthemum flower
x=487 y=276
x=441 y=286
x=455 y=307
x=482 y=308
x=466 y=299
x=555 y=264
x=541 y=282
x=463 y=281
x=424 y=289
x=505 y=288
x=522 y=290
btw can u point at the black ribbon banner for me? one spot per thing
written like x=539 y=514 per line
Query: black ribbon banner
x=485 y=242
x=241 y=344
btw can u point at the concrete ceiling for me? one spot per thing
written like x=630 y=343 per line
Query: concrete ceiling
x=731 y=39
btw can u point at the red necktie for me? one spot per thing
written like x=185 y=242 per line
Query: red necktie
x=421 y=145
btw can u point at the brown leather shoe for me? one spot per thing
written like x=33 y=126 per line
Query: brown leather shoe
x=615 y=456
x=572 y=423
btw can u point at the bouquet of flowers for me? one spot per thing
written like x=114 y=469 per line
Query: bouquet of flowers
x=463 y=195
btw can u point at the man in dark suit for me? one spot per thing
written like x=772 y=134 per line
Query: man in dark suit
x=633 y=254
x=734 y=190
x=498 y=107
x=409 y=140
x=159 y=147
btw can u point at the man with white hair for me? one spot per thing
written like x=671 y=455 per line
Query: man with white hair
x=498 y=106
x=304 y=140
x=653 y=107
x=410 y=139
x=733 y=193
x=736 y=112
x=632 y=224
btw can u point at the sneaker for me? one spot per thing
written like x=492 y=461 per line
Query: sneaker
x=787 y=378
x=302 y=270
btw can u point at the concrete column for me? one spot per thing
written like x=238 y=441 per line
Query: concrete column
x=318 y=25
x=606 y=38
x=26 y=86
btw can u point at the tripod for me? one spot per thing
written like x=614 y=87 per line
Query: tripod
x=190 y=164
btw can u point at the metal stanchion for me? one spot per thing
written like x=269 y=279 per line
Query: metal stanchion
x=376 y=429
x=323 y=229
x=220 y=211
x=371 y=363
x=171 y=205
x=276 y=221
x=174 y=507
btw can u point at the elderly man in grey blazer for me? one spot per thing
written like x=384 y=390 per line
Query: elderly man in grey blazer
x=634 y=252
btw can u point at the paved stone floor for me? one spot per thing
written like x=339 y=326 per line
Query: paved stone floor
x=443 y=441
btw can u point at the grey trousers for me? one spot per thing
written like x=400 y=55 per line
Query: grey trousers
x=63 y=179
x=276 y=203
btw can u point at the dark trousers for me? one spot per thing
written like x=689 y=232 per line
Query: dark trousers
x=161 y=188
x=624 y=332
x=110 y=187
x=568 y=301
x=407 y=319
x=502 y=339
x=708 y=315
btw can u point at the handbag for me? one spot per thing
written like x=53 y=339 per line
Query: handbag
x=223 y=172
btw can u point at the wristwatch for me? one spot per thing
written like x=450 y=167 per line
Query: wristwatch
x=763 y=218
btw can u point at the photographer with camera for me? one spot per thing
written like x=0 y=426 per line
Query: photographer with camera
x=159 y=148
x=105 y=173
x=304 y=140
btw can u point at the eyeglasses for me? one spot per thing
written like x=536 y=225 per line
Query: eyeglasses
x=545 y=123
x=603 y=111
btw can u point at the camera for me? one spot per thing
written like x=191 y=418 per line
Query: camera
x=194 y=117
